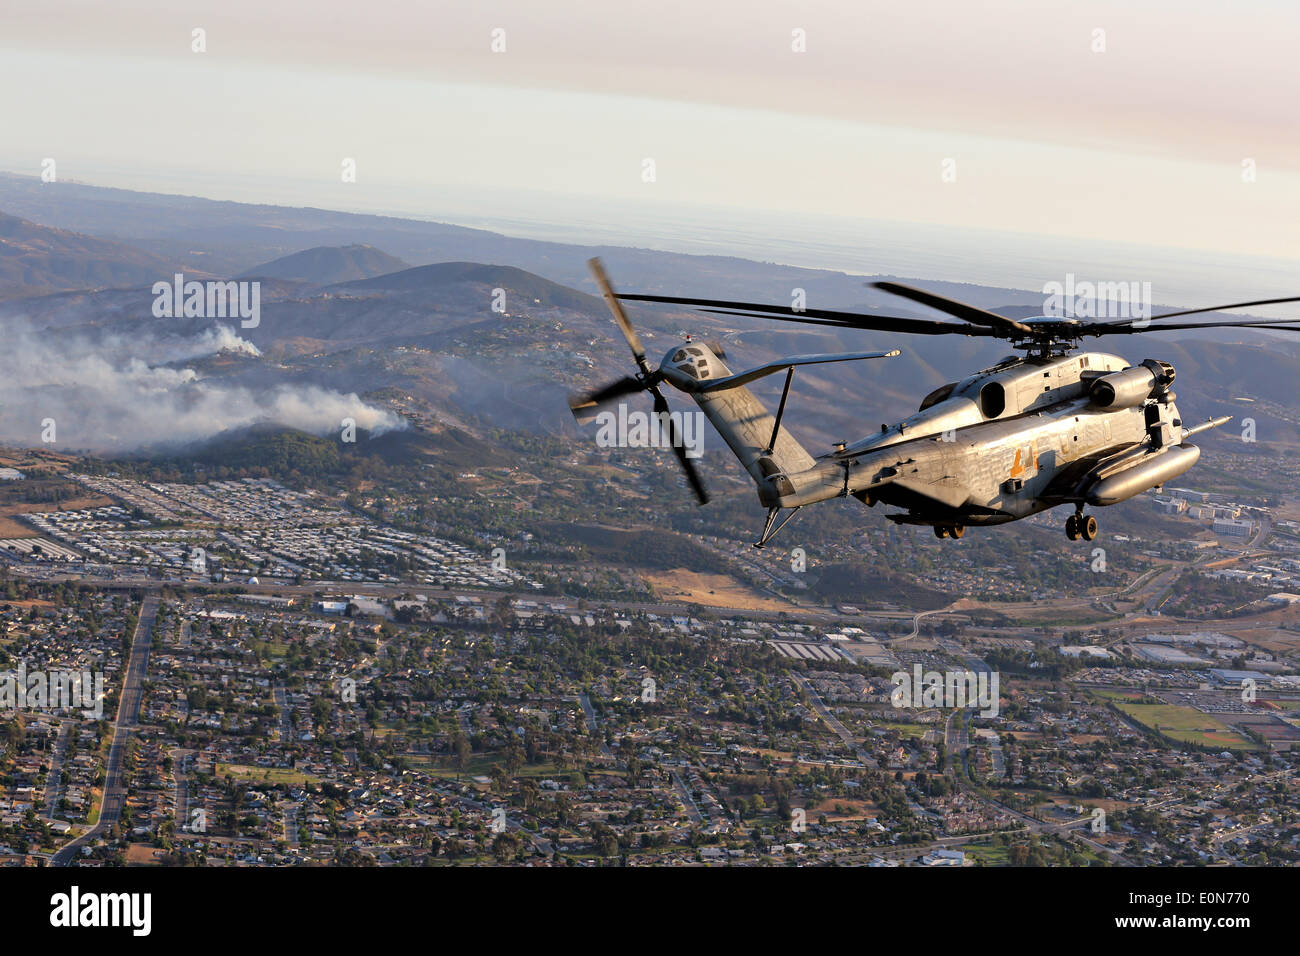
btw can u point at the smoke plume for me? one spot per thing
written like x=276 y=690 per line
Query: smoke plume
x=116 y=392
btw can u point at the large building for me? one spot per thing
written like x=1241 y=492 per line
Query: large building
x=1164 y=654
x=1234 y=527
x=1171 y=506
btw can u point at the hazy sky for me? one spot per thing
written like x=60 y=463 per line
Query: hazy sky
x=1144 y=141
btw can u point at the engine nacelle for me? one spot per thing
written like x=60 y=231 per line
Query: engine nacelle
x=1133 y=386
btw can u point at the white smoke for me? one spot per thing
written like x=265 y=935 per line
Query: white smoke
x=218 y=338
x=118 y=394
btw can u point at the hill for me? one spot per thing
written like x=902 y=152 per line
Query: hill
x=442 y=276
x=327 y=265
x=37 y=260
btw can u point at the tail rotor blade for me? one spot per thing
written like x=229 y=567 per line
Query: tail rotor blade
x=584 y=407
x=679 y=448
x=616 y=309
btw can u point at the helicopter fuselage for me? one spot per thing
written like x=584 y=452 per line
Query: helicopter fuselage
x=1009 y=441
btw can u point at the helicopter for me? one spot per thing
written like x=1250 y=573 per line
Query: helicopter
x=1049 y=427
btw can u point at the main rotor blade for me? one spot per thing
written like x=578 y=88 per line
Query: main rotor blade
x=679 y=449
x=832 y=317
x=1128 y=328
x=616 y=307
x=1225 y=308
x=960 y=310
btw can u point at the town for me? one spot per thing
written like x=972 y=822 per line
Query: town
x=292 y=681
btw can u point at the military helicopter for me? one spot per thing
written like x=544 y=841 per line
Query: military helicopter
x=1052 y=426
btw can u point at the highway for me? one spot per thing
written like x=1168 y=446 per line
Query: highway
x=916 y=627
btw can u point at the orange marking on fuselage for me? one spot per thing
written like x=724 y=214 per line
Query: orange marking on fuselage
x=1017 y=469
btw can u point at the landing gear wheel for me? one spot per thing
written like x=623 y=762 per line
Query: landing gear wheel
x=957 y=530
x=1088 y=527
x=940 y=531
x=1072 y=527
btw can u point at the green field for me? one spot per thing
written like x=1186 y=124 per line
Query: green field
x=1188 y=725
x=993 y=855
x=988 y=853
x=480 y=766
x=1116 y=695
x=911 y=730
x=268 y=775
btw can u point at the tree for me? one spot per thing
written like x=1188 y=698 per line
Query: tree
x=504 y=847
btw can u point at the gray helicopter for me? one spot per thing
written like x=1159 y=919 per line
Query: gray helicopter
x=1053 y=426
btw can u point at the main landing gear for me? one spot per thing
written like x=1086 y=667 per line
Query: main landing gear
x=1080 y=525
x=949 y=530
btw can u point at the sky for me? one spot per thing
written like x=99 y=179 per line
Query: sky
x=1162 y=122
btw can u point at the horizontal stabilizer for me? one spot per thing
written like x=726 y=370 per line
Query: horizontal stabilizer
x=789 y=361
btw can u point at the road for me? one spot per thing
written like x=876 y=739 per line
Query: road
x=956 y=741
x=181 y=798
x=592 y=725
x=688 y=801
x=916 y=627
x=540 y=843
x=54 y=779
x=128 y=715
x=286 y=725
x=291 y=822
x=832 y=721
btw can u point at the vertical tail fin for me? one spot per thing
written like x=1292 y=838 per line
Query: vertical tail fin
x=742 y=421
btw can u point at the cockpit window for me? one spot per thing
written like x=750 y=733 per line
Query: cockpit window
x=937 y=396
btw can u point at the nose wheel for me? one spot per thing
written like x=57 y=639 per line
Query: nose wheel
x=949 y=530
x=1081 y=526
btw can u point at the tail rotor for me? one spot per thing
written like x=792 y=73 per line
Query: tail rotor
x=586 y=406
